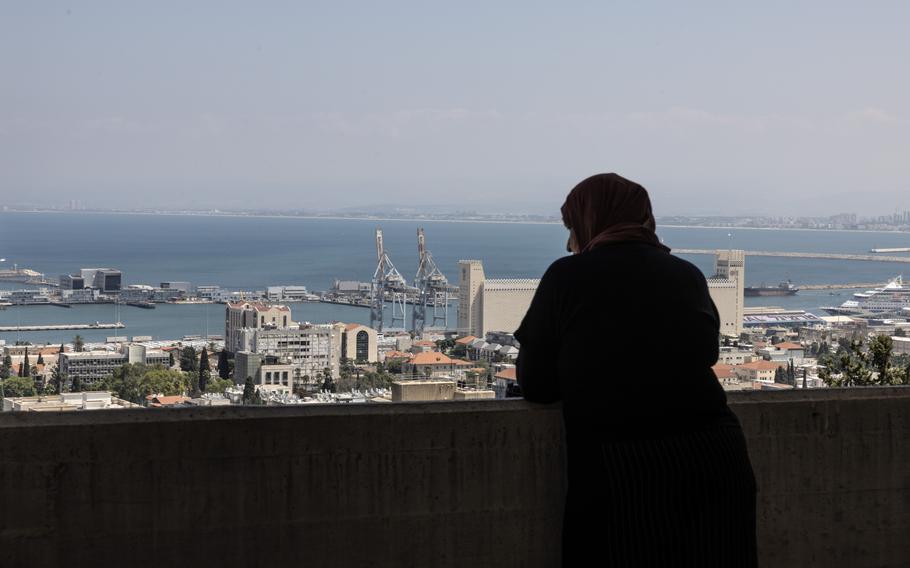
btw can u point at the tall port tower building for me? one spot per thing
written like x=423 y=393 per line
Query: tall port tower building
x=490 y=304
x=726 y=289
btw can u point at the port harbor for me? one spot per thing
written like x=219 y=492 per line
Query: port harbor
x=388 y=286
x=429 y=293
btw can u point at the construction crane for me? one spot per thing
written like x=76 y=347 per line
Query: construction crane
x=432 y=291
x=389 y=284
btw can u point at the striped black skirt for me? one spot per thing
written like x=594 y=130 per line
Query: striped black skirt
x=681 y=500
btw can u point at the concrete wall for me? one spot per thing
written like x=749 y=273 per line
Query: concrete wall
x=409 y=391
x=428 y=484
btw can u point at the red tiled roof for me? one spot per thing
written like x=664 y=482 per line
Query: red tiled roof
x=431 y=358
x=760 y=365
x=165 y=400
x=723 y=371
x=397 y=355
x=787 y=345
x=465 y=340
x=507 y=374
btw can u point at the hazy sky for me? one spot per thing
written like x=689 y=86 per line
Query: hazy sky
x=717 y=107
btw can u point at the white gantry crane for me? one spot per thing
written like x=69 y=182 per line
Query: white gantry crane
x=387 y=285
x=432 y=291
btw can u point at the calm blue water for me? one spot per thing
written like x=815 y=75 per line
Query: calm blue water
x=251 y=253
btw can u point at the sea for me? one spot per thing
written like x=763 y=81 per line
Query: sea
x=251 y=253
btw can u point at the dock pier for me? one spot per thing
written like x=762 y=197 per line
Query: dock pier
x=62 y=327
x=818 y=255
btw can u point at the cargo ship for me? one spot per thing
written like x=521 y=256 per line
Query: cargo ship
x=783 y=289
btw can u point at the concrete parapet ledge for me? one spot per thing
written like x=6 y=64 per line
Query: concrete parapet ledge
x=471 y=483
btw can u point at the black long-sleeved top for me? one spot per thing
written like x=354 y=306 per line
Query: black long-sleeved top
x=625 y=335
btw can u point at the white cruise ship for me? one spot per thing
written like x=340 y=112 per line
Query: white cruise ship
x=893 y=297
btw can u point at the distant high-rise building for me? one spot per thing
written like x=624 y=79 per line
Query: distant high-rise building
x=491 y=304
x=71 y=282
x=103 y=279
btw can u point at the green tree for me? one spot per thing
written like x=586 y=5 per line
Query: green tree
x=77 y=384
x=6 y=368
x=26 y=368
x=880 y=358
x=58 y=380
x=345 y=383
x=171 y=360
x=899 y=332
x=393 y=366
x=224 y=365
x=459 y=351
x=779 y=375
x=18 y=386
x=218 y=385
x=250 y=394
x=134 y=382
x=328 y=384
x=205 y=370
x=848 y=367
x=188 y=361
x=78 y=344
x=40 y=360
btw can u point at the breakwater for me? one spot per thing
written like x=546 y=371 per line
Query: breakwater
x=62 y=327
x=820 y=255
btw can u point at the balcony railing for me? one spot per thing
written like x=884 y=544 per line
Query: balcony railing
x=420 y=484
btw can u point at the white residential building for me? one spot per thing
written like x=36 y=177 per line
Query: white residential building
x=310 y=348
x=90 y=366
x=90 y=400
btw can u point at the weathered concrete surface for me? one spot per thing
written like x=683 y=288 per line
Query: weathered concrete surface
x=833 y=471
x=422 y=391
x=431 y=484
x=428 y=484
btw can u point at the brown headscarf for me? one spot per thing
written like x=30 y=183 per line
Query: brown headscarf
x=608 y=208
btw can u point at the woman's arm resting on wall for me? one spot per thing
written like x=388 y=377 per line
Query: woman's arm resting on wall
x=539 y=336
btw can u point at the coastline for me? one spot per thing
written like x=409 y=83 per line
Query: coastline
x=435 y=220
